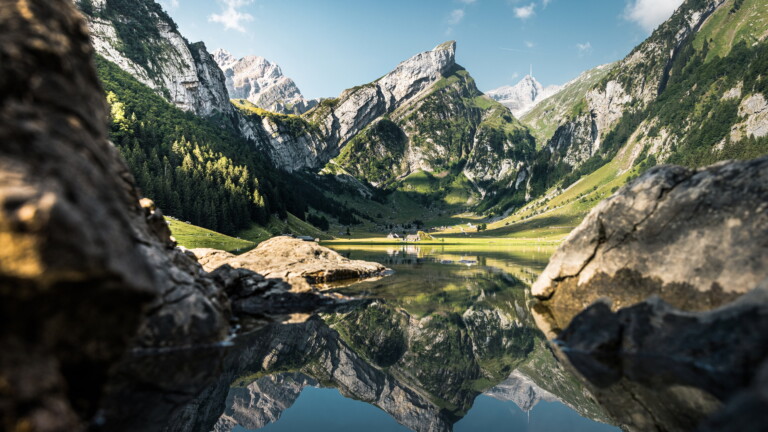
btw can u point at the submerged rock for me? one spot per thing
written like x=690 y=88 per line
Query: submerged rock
x=654 y=367
x=696 y=238
x=295 y=261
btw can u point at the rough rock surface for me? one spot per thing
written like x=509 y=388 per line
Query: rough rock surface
x=87 y=269
x=696 y=238
x=295 y=261
x=653 y=367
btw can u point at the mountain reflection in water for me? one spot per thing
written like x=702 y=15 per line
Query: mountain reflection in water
x=450 y=329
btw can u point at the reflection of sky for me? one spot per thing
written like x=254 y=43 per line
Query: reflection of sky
x=320 y=410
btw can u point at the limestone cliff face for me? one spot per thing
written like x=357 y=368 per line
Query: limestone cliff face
x=262 y=83
x=144 y=41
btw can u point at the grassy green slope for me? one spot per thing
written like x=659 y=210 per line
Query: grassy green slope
x=192 y=236
x=737 y=21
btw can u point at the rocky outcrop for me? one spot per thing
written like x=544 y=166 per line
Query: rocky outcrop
x=262 y=83
x=523 y=96
x=93 y=294
x=296 y=261
x=653 y=367
x=696 y=238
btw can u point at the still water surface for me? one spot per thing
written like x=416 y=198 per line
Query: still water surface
x=445 y=343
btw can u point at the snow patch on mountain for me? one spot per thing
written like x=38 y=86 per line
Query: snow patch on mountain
x=523 y=96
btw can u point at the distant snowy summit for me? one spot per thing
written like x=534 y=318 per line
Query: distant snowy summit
x=523 y=96
x=262 y=83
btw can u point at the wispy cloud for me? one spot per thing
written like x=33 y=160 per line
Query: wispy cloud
x=545 y=3
x=467 y=1
x=231 y=16
x=170 y=4
x=512 y=49
x=648 y=14
x=525 y=12
x=584 y=48
x=529 y=44
x=456 y=16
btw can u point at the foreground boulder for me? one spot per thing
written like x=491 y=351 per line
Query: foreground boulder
x=296 y=261
x=93 y=292
x=654 y=367
x=696 y=238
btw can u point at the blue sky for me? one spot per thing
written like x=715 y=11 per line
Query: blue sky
x=329 y=45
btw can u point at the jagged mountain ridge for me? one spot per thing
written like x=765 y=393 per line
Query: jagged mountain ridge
x=262 y=83
x=522 y=97
x=292 y=143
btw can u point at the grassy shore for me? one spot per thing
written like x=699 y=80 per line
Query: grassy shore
x=191 y=237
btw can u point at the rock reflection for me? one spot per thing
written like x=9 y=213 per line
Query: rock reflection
x=433 y=337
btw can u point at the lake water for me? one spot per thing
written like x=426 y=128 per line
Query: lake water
x=445 y=343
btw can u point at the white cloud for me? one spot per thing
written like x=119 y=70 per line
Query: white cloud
x=648 y=14
x=529 y=44
x=467 y=1
x=545 y=3
x=525 y=12
x=170 y=4
x=456 y=16
x=231 y=16
x=584 y=48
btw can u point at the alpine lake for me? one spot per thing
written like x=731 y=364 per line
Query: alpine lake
x=446 y=342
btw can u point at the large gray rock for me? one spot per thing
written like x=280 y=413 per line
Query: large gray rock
x=295 y=261
x=98 y=309
x=654 y=367
x=696 y=238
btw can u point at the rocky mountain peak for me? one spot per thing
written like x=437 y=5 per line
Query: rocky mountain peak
x=523 y=96
x=430 y=63
x=261 y=82
x=223 y=57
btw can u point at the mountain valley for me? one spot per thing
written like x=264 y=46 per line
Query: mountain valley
x=424 y=138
